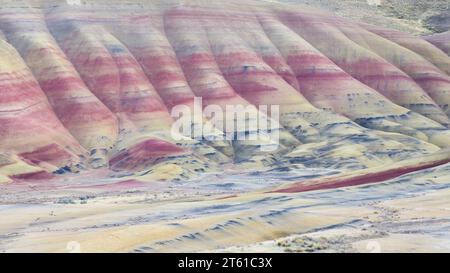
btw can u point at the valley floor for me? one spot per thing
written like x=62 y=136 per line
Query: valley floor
x=408 y=213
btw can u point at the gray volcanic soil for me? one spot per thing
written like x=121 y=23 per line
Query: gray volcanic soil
x=418 y=17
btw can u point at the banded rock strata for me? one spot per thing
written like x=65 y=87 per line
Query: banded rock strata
x=92 y=86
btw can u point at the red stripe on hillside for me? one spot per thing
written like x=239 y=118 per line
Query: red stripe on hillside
x=360 y=179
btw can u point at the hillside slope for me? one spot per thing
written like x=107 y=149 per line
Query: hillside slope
x=92 y=86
